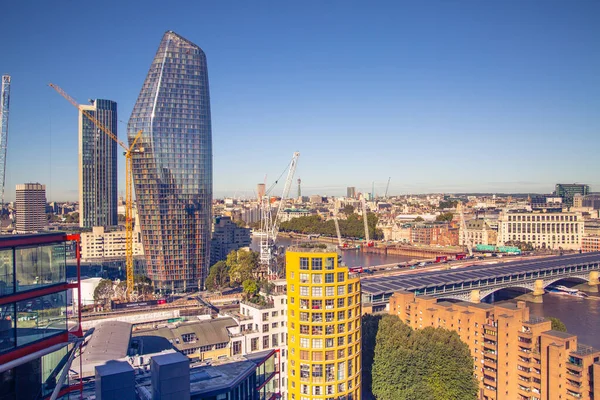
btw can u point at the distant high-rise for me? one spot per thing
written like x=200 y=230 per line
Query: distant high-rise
x=568 y=190
x=98 y=166
x=31 y=208
x=173 y=175
x=350 y=192
x=227 y=236
x=260 y=190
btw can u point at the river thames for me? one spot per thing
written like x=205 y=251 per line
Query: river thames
x=581 y=316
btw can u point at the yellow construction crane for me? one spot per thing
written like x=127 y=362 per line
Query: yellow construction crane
x=129 y=150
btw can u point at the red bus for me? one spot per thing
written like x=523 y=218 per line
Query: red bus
x=356 y=270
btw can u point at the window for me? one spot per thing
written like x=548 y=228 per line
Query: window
x=40 y=317
x=265 y=316
x=304 y=316
x=304 y=343
x=304 y=329
x=254 y=344
x=189 y=337
x=317 y=278
x=317 y=291
x=304 y=263
x=274 y=340
x=329 y=278
x=341 y=341
x=317 y=317
x=317 y=371
x=39 y=266
x=340 y=290
x=304 y=371
x=350 y=288
x=329 y=263
x=265 y=328
x=341 y=328
x=317 y=343
x=265 y=342
x=329 y=343
x=274 y=325
x=303 y=290
x=221 y=346
x=341 y=315
x=303 y=278
x=329 y=316
x=329 y=304
x=329 y=291
x=6 y=273
x=317 y=264
x=341 y=302
x=317 y=304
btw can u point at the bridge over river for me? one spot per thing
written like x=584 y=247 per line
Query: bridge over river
x=476 y=282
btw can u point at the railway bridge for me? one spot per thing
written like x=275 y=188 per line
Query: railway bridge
x=476 y=282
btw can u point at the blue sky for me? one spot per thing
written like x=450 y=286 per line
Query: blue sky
x=449 y=96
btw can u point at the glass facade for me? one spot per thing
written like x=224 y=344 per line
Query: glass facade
x=98 y=166
x=38 y=317
x=172 y=173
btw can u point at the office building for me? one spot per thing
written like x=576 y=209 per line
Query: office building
x=324 y=331
x=173 y=173
x=98 y=165
x=227 y=236
x=568 y=190
x=516 y=356
x=590 y=243
x=34 y=327
x=550 y=230
x=31 y=208
x=479 y=231
x=351 y=192
x=591 y=201
x=102 y=244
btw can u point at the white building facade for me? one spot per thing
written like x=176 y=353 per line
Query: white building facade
x=100 y=244
x=552 y=230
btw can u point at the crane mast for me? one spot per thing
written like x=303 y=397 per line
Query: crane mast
x=128 y=151
x=387 y=187
x=337 y=228
x=364 y=207
x=4 y=109
x=270 y=225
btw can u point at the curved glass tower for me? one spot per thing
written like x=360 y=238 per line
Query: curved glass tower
x=173 y=174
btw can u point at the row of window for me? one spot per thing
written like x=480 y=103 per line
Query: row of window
x=316 y=263
x=318 y=316
x=559 y=217
x=319 y=343
x=327 y=329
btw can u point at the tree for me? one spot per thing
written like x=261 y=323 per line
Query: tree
x=218 y=276
x=121 y=291
x=444 y=217
x=557 y=324
x=419 y=219
x=370 y=326
x=427 y=364
x=242 y=265
x=240 y=223
x=143 y=286
x=104 y=292
x=250 y=288
x=348 y=209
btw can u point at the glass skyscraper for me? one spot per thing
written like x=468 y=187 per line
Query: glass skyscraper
x=98 y=166
x=172 y=174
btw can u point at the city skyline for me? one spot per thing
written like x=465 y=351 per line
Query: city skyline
x=489 y=93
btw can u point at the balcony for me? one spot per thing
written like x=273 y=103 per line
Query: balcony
x=488 y=362
x=487 y=336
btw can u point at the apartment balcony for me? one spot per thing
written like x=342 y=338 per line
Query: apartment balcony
x=491 y=354
x=573 y=373
x=490 y=327
x=575 y=367
x=489 y=363
x=573 y=394
x=489 y=382
x=574 y=384
x=493 y=338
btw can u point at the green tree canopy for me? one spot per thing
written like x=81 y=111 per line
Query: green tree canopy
x=351 y=227
x=444 y=217
x=218 y=276
x=242 y=265
x=250 y=288
x=348 y=209
x=104 y=292
x=143 y=286
x=557 y=324
x=419 y=219
x=426 y=364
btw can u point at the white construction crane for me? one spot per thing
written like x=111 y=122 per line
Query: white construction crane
x=337 y=228
x=387 y=187
x=364 y=207
x=269 y=225
x=463 y=229
x=4 y=108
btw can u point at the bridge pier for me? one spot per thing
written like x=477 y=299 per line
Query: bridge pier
x=536 y=295
x=593 y=284
x=475 y=296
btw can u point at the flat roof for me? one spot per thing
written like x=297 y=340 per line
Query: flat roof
x=559 y=334
x=32 y=239
x=421 y=280
x=209 y=332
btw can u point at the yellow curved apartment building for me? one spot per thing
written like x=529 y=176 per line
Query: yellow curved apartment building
x=324 y=351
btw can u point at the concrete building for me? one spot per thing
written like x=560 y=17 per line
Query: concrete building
x=31 y=208
x=590 y=243
x=515 y=356
x=351 y=192
x=323 y=326
x=568 y=190
x=103 y=244
x=479 y=231
x=227 y=236
x=291 y=213
x=98 y=165
x=434 y=234
x=316 y=199
x=263 y=327
x=591 y=200
x=552 y=230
